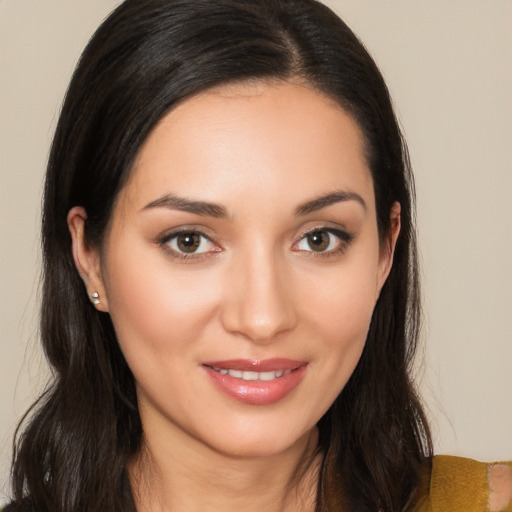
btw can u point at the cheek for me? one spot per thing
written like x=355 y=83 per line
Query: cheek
x=340 y=313
x=342 y=302
x=155 y=311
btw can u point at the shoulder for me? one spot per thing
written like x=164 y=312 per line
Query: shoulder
x=460 y=484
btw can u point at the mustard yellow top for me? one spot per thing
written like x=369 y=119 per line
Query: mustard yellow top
x=457 y=484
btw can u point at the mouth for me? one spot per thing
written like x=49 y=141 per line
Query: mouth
x=251 y=375
x=256 y=382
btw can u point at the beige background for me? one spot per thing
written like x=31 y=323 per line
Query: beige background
x=449 y=67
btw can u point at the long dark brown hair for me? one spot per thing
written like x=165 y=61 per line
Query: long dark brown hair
x=72 y=447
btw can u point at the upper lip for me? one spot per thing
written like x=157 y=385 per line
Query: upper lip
x=255 y=365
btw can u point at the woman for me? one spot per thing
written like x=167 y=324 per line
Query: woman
x=236 y=194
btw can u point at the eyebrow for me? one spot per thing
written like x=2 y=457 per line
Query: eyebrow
x=329 y=199
x=188 y=205
x=207 y=209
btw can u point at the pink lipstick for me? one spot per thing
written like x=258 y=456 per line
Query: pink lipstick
x=256 y=382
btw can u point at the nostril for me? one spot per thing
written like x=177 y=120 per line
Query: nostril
x=259 y=328
x=259 y=305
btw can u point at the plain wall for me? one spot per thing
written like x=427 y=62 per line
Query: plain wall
x=449 y=68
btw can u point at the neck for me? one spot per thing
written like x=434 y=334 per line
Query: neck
x=176 y=476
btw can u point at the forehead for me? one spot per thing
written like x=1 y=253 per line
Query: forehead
x=270 y=138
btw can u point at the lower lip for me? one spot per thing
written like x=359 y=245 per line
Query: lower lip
x=257 y=392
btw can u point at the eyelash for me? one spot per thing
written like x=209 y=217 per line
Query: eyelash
x=344 y=238
x=164 y=242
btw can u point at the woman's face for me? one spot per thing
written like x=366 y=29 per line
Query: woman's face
x=241 y=266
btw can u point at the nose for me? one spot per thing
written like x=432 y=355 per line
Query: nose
x=258 y=301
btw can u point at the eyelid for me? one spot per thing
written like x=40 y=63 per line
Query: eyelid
x=342 y=234
x=164 y=239
x=336 y=229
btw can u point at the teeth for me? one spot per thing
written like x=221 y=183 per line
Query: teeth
x=248 y=375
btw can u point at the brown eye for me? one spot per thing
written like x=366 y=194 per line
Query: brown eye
x=318 y=241
x=323 y=241
x=188 y=242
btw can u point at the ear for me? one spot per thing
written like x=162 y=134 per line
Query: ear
x=388 y=248
x=87 y=259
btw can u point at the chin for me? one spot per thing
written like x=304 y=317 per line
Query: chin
x=261 y=442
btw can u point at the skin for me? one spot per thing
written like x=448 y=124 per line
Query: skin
x=256 y=289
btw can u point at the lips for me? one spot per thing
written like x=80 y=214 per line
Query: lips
x=256 y=382
x=250 y=375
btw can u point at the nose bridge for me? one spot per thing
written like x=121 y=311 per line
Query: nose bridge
x=258 y=304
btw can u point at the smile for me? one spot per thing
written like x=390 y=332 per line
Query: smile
x=251 y=375
x=256 y=382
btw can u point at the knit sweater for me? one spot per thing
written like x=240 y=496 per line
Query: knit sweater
x=457 y=484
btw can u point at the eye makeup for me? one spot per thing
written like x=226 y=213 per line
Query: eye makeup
x=190 y=244
x=323 y=241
